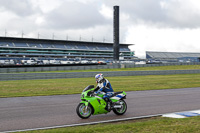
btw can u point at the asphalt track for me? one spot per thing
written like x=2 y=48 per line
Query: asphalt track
x=46 y=111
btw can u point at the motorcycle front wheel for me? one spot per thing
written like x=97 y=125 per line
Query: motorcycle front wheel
x=121 y=111
x=83 y=111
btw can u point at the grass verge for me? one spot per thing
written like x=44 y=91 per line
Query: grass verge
x=21 y=88
x=152 y=125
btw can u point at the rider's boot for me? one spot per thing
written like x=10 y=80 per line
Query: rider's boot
x=108 y=104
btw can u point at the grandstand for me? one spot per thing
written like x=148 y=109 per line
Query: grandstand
x=173 y=56
x=59 y=49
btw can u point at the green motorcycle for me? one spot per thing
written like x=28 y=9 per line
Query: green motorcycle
x=94 y=104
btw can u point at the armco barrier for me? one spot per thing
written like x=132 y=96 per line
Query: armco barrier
x=108 y=66
x=29 y=76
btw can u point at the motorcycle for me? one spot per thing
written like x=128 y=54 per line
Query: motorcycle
x=94 y=104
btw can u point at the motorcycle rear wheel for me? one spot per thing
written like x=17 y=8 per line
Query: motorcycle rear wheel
x=121 y=111
x=83 y=111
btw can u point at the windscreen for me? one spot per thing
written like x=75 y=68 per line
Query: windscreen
x=88 y=87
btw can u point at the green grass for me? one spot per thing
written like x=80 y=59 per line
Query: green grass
x=152 y=125
x=21 y=88
x=178 y=67
x=126 y=83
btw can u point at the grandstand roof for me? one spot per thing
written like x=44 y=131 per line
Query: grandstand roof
x=170 y=55
x=54 y=41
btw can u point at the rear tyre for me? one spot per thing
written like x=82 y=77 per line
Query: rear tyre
x=83 y=111
x=121 y=111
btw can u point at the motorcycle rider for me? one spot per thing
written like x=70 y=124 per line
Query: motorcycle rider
x=103 y=85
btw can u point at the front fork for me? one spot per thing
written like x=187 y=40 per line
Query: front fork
x=86 y=104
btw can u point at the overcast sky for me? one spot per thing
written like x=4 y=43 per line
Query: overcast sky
x=152 y=25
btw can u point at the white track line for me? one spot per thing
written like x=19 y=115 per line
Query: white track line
x=82 y=124
x=92 y=123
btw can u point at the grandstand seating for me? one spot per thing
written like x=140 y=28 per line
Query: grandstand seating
x=124 y=49
x=101 y=47
x=6 y=44
x=59 y=46
x=26 y=47
x=69 y=46
x=169 y=55
x=82 y=47
x=92 y=47
x=48 y=46
x=20 y=44
x=33 y=45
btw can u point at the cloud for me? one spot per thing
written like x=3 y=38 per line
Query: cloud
x=22 y=8
x=163 y=13
x=158 y=25
x=163 y=39
x=183 y=14
x=74 y=15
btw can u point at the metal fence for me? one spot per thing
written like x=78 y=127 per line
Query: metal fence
x=29 y=76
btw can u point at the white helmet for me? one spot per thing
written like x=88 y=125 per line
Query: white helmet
x=99 y=78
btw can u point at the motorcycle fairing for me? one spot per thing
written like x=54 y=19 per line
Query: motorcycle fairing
x=97 y=103
x=117 y=96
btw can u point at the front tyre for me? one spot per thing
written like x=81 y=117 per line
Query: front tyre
x=83 y=111
x=122 y=110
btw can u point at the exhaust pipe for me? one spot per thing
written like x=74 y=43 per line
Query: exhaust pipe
x=117 y=106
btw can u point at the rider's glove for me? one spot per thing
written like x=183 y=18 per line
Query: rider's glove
x=97 y=92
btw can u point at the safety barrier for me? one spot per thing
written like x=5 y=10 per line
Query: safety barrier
x=30 y=76
x=85 y=67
